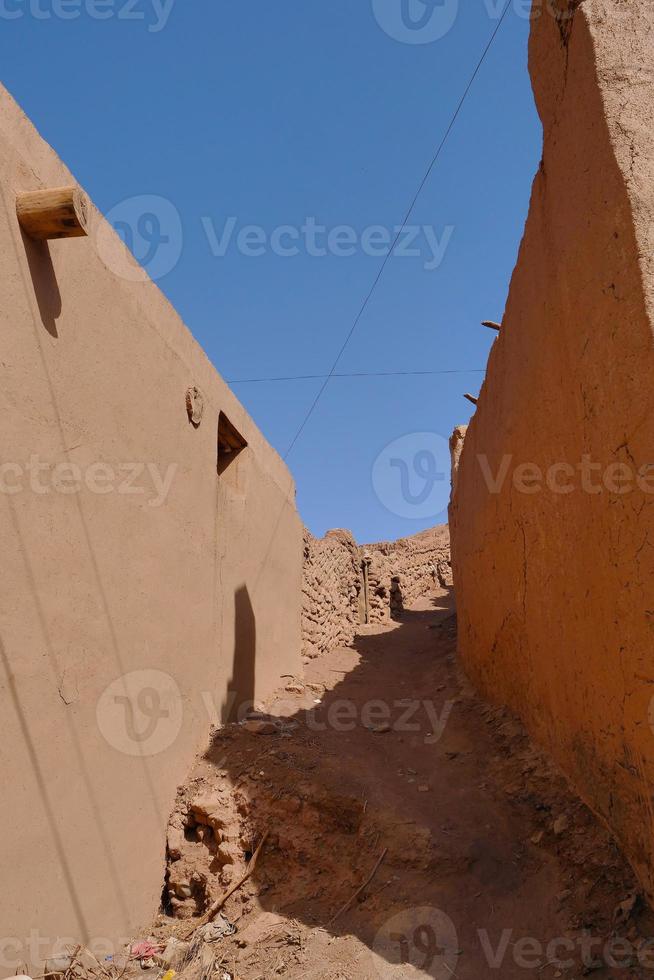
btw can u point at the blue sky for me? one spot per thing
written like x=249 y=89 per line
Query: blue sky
x=276 y=115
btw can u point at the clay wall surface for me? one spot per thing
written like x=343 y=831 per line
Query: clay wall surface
x=554 y=563
x=336 y=602
x=184 y=583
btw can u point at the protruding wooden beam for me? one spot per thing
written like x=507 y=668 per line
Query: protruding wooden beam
x=60 y=212
x=491 y=324
x=471 y=398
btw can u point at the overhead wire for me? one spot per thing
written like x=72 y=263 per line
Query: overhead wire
x=327 y=378
x=355 y=374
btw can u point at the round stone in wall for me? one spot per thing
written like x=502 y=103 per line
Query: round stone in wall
x=195 y=405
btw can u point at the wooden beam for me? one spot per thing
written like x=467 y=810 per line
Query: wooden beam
x=58 y=212
x=471 y=398
x=491 y=324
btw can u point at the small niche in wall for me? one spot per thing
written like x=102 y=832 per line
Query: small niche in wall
x=230 y=443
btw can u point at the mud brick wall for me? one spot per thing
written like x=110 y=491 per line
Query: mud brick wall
x=331 y=591
x=191 y=597
x=554 y=564
x=340 y=596
x=402 y=571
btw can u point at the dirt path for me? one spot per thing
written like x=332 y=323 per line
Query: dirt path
x=490 y=868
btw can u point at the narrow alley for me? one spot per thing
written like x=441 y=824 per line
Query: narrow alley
x=476 y=859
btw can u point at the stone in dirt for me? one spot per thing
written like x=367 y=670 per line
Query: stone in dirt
x=257 y=726
x=561 y=824
x=261 y=928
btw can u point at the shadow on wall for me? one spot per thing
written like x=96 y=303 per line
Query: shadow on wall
x=240 y=689
x=44 y=282
x=49 y=810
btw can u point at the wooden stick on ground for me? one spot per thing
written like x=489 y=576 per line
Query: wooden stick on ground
x=217 y=905
x=361 y=889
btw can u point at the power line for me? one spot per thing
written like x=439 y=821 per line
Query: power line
x=355 y=374
x=328 y=377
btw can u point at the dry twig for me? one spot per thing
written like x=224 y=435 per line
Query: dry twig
x=361 y=889
x=217 y=905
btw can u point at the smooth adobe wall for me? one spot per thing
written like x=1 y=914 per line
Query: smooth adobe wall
x=143 y=596
x=554 y=563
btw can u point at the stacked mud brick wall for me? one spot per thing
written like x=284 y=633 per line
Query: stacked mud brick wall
x=400 y=572
x=553 y=515
x=346 y=586
x=331 y=591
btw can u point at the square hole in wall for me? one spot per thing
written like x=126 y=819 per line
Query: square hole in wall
x=230 y=443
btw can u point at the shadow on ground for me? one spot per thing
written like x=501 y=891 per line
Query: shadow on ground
x=400 y=759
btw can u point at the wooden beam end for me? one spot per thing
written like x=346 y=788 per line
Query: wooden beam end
x=58 y=212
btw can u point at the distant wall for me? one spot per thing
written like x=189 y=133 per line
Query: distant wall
x=346 y=586
x=403 y=571
x=553 y=516
x=331 y=589
x=197 y=588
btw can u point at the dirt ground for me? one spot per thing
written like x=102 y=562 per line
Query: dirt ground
x=383 y=768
